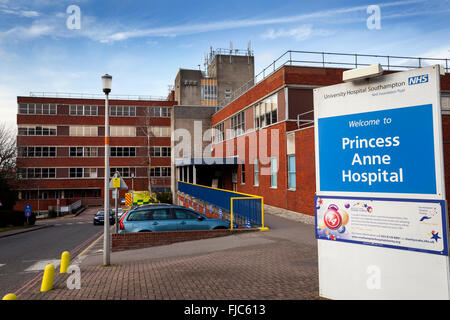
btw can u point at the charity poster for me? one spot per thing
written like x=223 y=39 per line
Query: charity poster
x=394 y=223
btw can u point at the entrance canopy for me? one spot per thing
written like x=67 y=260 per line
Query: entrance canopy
x=181 y=162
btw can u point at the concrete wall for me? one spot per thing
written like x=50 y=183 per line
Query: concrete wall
x=188 y=87
x=232 y=72
x=194 y=121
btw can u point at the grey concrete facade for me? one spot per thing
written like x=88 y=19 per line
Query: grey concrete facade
x=191 y=128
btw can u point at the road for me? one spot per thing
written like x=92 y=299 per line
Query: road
x=24 y=256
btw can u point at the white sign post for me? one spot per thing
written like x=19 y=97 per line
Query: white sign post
x=381 y=213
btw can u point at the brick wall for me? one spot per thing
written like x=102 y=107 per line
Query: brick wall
x=127 y=241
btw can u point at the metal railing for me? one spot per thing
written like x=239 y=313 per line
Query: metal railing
x=305 y=119
x=42 y=94
x=245 y=209
x=334 y=60
x=234 y=52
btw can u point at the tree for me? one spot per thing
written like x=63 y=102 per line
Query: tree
x=7 y=150
x=146 y=121
x=7 y=167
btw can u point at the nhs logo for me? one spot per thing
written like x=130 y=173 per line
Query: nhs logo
x=418 y=79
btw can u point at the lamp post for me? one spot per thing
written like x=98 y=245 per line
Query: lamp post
x=107 y=82
x=132 y=181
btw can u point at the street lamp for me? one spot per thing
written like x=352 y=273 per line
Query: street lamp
x=106 y=82
x=132 y=181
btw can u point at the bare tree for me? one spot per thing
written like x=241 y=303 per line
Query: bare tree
x=146 y=130
x=7 y=150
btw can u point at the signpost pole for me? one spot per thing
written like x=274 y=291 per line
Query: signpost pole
x=116 y=209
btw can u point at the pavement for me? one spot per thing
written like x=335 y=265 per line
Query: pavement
x=280 y=264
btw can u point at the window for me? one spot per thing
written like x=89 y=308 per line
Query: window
x=123 y=151
x=160 y=172
x=445 y=104
x=160 y=131
x=83 y=172
x=273 y=172
x=122 y=131
x=161 y=214
x=75 y=172
x=32 y=152
x=124 y=172
x=39 y=108
x=185 y=214
x=159 y=112
x=43 y=195
x=83 y=151
x=83 y=131
x=256 y=172
x=160 y=151
x=219 y=133
x=266 y=112
x=122 y=111
x=291 y=172
x=140 y=215
x=81 y=110
x=237 y=124
x=37 y=130
x=242 y=173
x=37 y=173
x=90 y=172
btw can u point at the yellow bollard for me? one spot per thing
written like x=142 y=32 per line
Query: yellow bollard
x=65 y=261
x=10 y=296
x=49 y=276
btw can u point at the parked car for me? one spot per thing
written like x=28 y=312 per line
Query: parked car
x=119 y=212
x=99 y=217
x=164 y=217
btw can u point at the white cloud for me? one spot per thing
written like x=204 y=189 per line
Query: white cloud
x=299 y=33
x=33 y=31
x=173 y=31
x=29 y=14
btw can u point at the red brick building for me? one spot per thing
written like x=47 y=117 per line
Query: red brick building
x=61 y=147
x=283 y=102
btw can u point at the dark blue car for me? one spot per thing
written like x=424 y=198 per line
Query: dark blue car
x=99 y=218
x=167 y=218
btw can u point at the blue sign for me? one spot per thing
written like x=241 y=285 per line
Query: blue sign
x=388 y=151
x=28 y=211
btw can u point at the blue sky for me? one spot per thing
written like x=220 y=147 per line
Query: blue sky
x=144 y=43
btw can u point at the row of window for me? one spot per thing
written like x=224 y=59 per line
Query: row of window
x=83 y=151
x=90 y=110
x=58 y=194
x=160 y=151
x=37 y=130
x=77 y=110
x=90 y=131
x=37 y=108
x=42 y=152
x=265 y=113
x=36 y=152
x=122 y=111
x=238 y=124
x=162 y=214
x=160 y=112
x=273 y=172
x=48 y=173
